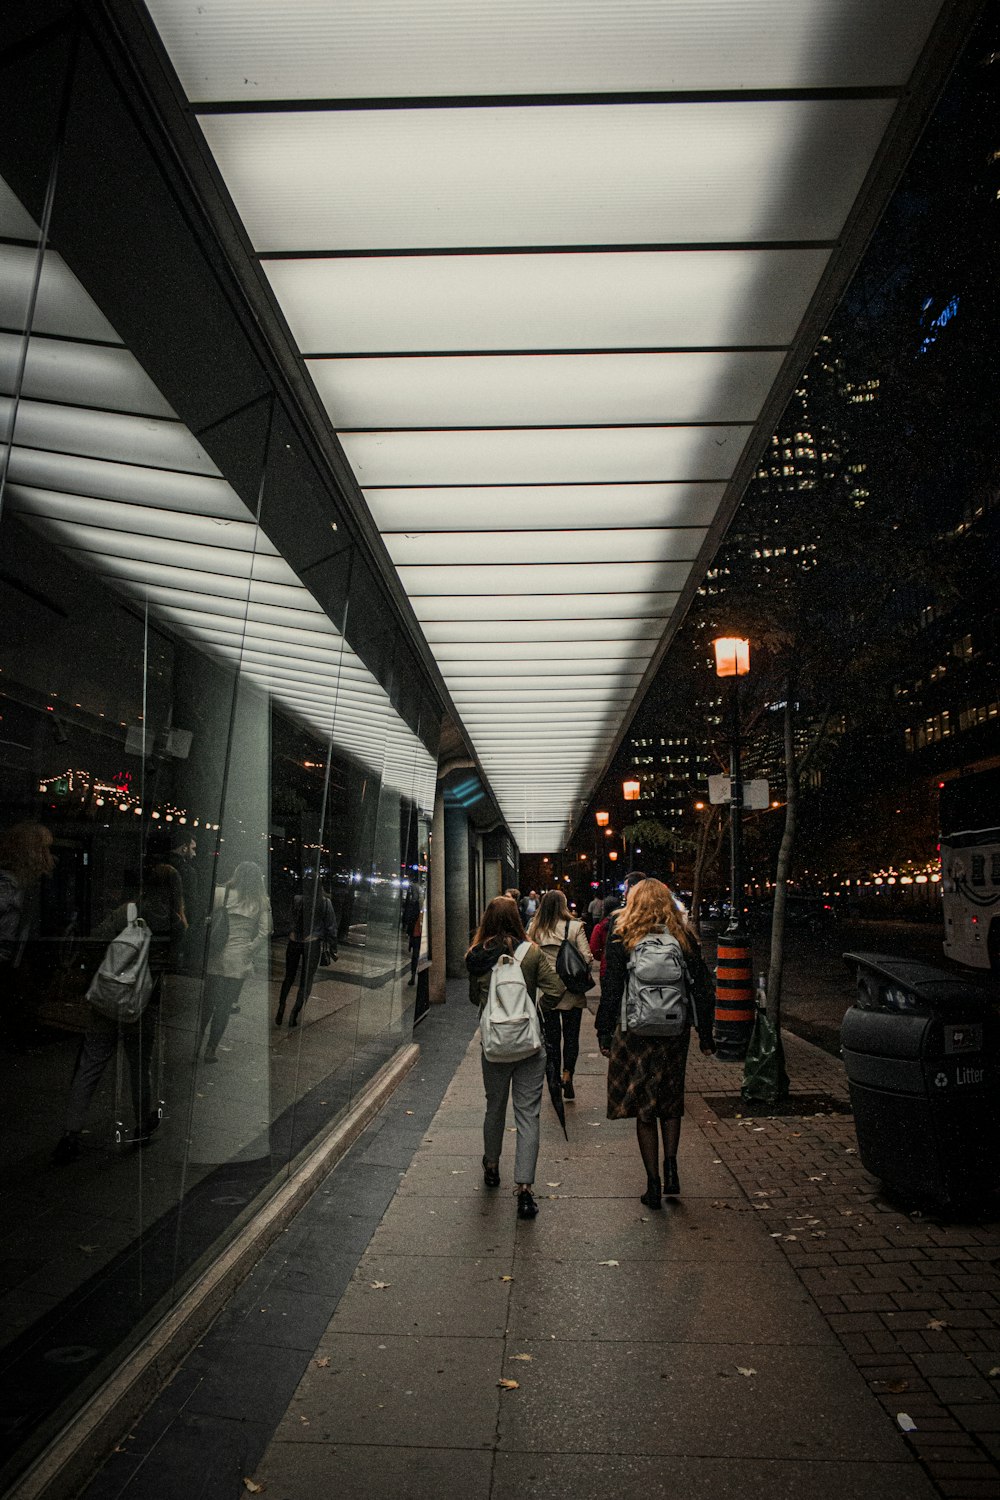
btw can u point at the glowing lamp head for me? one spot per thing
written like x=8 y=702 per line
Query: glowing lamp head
x=630 y=791
x=732 y=656
x=602 y=819
x=612 y=854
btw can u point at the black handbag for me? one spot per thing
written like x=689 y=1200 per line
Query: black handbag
x=572 y=967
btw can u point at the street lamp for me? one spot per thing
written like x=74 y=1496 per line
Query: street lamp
x=734 y=976
x=630 y=791
x=602 y=819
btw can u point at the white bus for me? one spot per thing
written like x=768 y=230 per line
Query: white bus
x=970 y=869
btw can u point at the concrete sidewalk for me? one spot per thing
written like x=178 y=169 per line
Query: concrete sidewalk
x=760 y=1337
x=652 y=1351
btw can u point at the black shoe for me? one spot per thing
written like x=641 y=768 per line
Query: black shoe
x=280 y=1016
x=234 y=1010
x=67 y=1149
x=651 y=1197
x=293 y=1019
x=491 y=1175
x=569 y=1092
x=410 y=983
x=527 y=1208
x=671 y=1182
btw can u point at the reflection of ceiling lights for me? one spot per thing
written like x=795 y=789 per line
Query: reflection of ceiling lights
x=545 y=332
x=127 y=492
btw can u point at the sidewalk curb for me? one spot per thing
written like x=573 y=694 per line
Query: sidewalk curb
x=71 y=1459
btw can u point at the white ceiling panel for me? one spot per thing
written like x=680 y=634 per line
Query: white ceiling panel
x=198 y=494
x=80 y=375
x=544 y=264
x=543 y=507
x=545 y=390
x=553 y=635
x=651 y=544
x=643 y=299
x=544 y=579
x=506 y=607
x=62 y=306
x=103 y=434
x=606 y=174
x=310 y=49
x=557 y=455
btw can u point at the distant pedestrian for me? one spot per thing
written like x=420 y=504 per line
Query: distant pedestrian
x=599 y=936
x=414 y=943
x=646 y=1072
x=529 y=905
x=595 y=912
x=501 y=932
x=552 y=924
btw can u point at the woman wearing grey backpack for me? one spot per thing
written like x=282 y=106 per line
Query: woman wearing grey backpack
x=646 y=1071
x=501 y=933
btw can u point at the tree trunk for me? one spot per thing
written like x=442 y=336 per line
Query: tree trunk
x=700 y=861
x=784 y=866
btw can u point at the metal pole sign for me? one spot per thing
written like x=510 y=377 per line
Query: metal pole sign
x=756 y=794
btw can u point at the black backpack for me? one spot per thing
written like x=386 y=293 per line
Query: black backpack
x=572 y=967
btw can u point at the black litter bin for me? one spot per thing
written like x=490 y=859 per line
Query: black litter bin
x=921 y=1054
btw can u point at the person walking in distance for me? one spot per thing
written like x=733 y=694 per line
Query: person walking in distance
x=240 y=927
x=552 y=924
x=655 y=988
x=501 y=934
x=314 y=925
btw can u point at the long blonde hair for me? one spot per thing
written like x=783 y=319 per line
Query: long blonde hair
x=651 y=907
x=553 y=911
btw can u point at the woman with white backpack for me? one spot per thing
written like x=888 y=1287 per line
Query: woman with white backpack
x=655 y=988
x=509 y=977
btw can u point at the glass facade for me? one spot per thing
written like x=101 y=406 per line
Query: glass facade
x=208 y=712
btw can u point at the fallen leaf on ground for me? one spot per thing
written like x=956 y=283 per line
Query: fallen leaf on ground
x=745 y=1370
x=506 y=1278
x=525 y=1357
x=509 y=1385
x=553 y=1184
x=409 y=1111
x=254 y=1487
x=937 y=1323
x=994 y=1373
x=380 y=1286
x=906 y=1422
x=88 y=1249
x=897 y=1387
x=323 y=1362
x=607 y=1262
x=791 y=1236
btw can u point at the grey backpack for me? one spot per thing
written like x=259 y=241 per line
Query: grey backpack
x=655 y=1002
x=123 y=984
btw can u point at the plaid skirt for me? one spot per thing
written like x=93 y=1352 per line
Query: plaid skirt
x=646 y=1076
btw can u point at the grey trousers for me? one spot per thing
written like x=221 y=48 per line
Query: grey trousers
x=523 y=1080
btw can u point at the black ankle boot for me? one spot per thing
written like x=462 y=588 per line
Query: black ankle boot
x=569 y=1092
x=280 y=1015
x=527 y=1208
x=671 y=1182
x=491 y=1174
x=651 y=1197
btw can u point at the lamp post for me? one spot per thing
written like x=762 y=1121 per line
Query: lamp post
x=734 y=977
x=602 y=819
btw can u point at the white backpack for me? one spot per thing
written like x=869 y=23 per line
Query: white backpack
x=655 y=1002
x=509 y=1027
x=123 y=984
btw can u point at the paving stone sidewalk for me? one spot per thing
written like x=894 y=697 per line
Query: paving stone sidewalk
x=758 y=1338
x=699 y=1347
x=914 y=1301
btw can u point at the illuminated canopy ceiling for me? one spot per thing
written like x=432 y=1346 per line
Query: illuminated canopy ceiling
x=546 y=262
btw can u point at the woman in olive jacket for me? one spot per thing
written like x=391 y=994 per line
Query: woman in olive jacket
x=500 y=931
x=552 y=923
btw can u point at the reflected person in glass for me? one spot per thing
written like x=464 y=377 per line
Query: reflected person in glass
x=241 y=921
